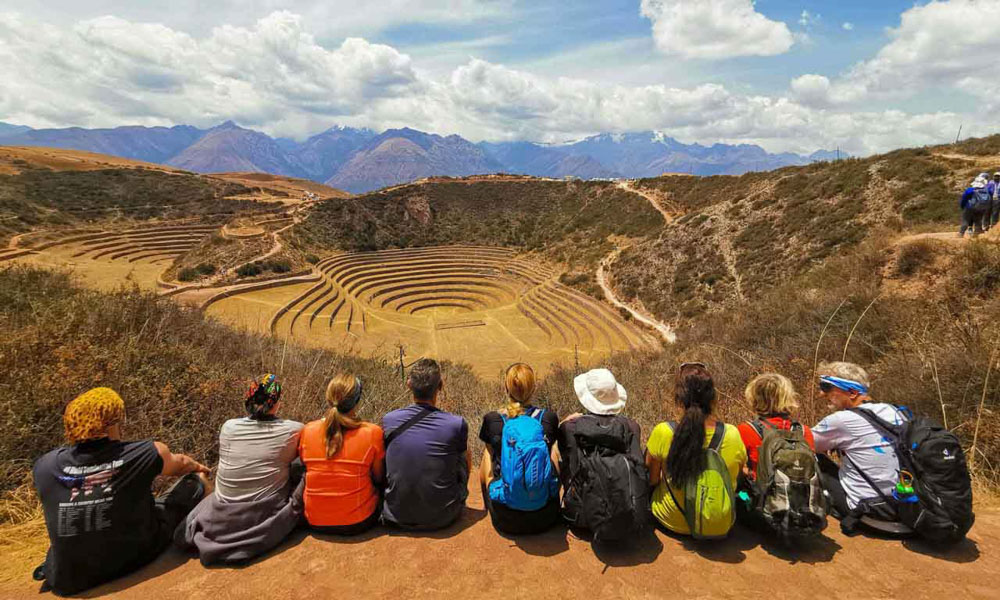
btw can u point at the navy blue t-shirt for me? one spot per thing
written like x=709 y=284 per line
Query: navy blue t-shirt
x=426 y=471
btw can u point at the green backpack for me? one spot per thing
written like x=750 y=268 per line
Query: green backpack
x=709 y=505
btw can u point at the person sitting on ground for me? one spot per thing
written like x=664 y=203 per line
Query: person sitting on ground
x=773 y=399
x=257 y=500
x=605 y=483
x=522 y=494
x=96 y=493
x=868 y=471
x=427 y=462
x=976 y=205
x=345 y=464
x=700 y=448
x=789 y=500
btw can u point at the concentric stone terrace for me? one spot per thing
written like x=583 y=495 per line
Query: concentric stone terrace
x=482 y=305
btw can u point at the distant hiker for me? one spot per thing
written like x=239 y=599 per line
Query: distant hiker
x=994 y=188
x=694 y=463
x=601 y=467
x=345 y=463
x=898 y=473
x=519 y=481
x=427 y=462
x=780 y=490
x=101 y=516
x=258 y=498
x=976 y=205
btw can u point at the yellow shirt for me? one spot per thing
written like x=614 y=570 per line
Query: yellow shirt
x=732 y=450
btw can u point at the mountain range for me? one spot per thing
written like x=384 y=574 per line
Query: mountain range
x=361 y=160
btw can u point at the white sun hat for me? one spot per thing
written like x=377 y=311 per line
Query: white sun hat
x=599 y=393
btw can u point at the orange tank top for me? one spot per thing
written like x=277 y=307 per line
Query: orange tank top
x=341 y=490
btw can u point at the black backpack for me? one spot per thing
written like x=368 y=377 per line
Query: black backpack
x=787 y=488
x=941 y=481
x=612 y=487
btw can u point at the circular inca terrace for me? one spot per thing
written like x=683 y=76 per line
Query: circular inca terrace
x=485 y=306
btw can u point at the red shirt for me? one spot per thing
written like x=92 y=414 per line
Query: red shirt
x=752 y=440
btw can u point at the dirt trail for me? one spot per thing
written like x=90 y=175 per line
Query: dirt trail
x=471 y=560
x=653 y=200
x=602 y=279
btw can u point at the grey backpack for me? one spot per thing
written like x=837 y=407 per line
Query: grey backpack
x=788 y=490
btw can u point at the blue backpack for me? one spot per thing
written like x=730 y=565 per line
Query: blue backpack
x=527 y=481
x=980 y=198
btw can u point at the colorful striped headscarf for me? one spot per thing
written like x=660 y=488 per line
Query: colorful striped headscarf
x=90 y=414
x=262 y=396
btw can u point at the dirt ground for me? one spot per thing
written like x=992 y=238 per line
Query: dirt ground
x=471 y=560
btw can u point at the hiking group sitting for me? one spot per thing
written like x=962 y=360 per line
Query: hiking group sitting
x=695 y=477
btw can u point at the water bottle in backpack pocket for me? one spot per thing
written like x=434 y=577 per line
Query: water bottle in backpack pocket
x=787 y=484
x=527 y=480
x=932 y=462
x=709 y=499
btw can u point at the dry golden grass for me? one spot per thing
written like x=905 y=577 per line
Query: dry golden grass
x=15 y=159
x=290 y=188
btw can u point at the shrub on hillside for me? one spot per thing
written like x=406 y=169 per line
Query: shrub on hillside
x=978 y=269
x=914 y=256
x=256 y=268
x=192 y=273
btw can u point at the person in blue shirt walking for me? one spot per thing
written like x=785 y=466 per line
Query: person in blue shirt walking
x=976 y=205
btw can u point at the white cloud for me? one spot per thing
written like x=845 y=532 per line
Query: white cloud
x=105 y=71
x=941 y=44
x=847 y=26
x=275 y=76
x=714 y=29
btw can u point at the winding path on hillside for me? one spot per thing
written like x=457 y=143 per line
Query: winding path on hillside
x=653 y=200
x=663 y=329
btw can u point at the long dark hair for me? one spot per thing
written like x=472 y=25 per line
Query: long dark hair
x=695 y=392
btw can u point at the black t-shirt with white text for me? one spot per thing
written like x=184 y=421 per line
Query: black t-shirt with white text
x=99 y=511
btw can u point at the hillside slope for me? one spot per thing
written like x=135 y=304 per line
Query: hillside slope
x=739 y=236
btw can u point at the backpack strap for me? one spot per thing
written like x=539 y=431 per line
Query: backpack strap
x=869 y=481
x=717 y=437
x=537 y=413
x=420 y=416
x=758 y=426
x=876 y=421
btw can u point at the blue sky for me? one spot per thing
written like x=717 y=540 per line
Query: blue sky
x=789 y=75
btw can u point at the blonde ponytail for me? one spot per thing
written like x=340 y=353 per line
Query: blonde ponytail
x=519 y=381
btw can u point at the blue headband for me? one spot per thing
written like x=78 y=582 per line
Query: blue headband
x=845 y=384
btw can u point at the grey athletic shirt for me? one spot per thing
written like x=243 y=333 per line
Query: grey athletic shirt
x=867 y=449
x=254 y=458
